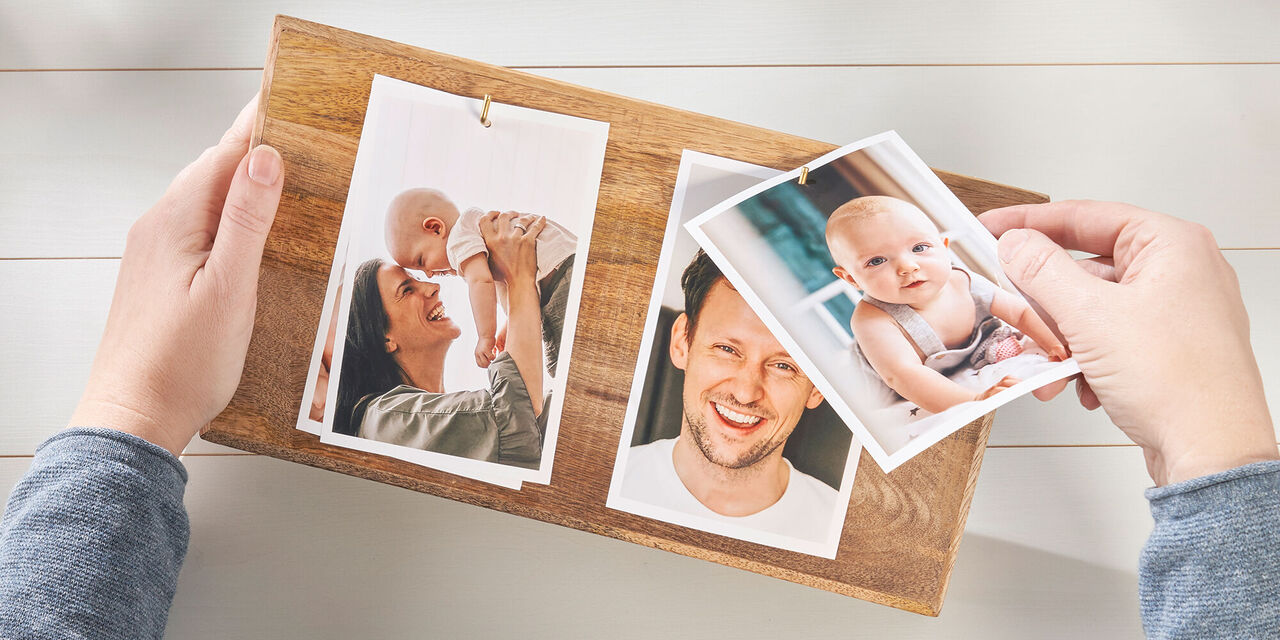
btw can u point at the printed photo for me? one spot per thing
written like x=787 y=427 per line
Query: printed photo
x=888 y=291
x=312 y=409
x=724 y=432
x=432 y=363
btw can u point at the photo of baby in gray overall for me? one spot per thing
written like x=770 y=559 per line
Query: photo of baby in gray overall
x=925 y=317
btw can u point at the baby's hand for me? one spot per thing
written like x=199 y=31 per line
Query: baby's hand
x=1005 y=383
x=485 y=352
x=1055 y=351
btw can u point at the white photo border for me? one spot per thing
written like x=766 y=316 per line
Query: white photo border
x=305 y=423
x=831 y=541
x=384 y=88
x=963 y=414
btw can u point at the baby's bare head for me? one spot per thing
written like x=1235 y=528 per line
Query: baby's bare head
x=417 y=227
x=859 y=220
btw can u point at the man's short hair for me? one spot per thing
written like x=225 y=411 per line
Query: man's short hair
x=696 y=281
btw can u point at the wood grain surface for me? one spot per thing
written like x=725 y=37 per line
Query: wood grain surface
x=901 y=532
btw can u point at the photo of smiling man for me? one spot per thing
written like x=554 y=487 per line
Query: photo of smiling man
x=724 y=432
x=743 y=396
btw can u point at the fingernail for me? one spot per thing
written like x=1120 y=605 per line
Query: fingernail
x=1010 y=242
x=264 y=165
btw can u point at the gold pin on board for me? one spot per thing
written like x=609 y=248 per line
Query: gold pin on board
x=484 y=112
x=804 y=173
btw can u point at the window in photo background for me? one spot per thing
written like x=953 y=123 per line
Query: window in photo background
x=772 y=242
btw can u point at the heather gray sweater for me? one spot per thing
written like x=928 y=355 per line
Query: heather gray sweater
x=94 y=535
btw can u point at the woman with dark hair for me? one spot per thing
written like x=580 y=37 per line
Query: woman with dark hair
x=398 y=332
x=367 y=367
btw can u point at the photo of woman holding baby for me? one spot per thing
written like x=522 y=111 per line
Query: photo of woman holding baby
x=455 y=285
x=393 y=384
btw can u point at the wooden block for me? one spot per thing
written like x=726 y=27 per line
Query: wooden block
x=901 y=531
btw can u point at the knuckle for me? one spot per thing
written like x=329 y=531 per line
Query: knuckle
x=206 y=155
x=1032 y=263
x=242 y=214
x=140 y=232
x=1201 y=234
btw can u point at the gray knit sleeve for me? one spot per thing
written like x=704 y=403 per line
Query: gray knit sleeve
x=92 y=539
x=1211 y=568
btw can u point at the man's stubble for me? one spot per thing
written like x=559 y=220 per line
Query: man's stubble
x=701 y=436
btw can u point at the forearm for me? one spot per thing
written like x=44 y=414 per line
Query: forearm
x=927 y=388
x=1209 y=568
x=92 y=539
x=483 y=296
x=524 y=336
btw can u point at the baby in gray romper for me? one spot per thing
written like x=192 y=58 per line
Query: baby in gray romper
x=925 y=318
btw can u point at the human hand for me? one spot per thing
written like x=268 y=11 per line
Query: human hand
x=1156 y=323
x=1004 y=383
x=182 y=313
x=512 y=249
x=1054 y=350
x=1058 y=355
x=485 y=352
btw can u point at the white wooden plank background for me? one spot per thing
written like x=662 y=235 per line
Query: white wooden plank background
x=1200 y=142
x=279 y=550
x=1076 y=99
x=154 y=33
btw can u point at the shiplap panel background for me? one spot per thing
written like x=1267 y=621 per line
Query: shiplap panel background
x=1170 y=105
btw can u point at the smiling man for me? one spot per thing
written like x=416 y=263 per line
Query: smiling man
x=743 y=395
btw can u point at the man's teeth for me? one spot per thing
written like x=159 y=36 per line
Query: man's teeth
x=436 y=313
x=740 y=418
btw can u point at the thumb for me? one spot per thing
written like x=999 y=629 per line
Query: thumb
x=1046 y=272
x=247 y=216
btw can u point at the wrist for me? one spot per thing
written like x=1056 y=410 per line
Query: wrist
x=1205 y=461
x=92 y=412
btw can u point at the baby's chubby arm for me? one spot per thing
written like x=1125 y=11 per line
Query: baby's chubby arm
x=1015 y=311
x=898 y=364
x=483 y=295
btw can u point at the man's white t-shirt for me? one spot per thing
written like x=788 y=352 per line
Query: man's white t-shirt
x=804 y=511
x=555 y=243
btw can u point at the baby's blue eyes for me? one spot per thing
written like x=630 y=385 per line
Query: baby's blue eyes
x=919 y=248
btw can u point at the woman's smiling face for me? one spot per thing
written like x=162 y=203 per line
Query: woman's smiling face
x=416 y=317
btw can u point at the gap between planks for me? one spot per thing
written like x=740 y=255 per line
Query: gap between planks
x=778 y=65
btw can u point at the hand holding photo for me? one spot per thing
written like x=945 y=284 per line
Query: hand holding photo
x=888 y=291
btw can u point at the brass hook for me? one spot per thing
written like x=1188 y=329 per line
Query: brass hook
x=484 y=113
